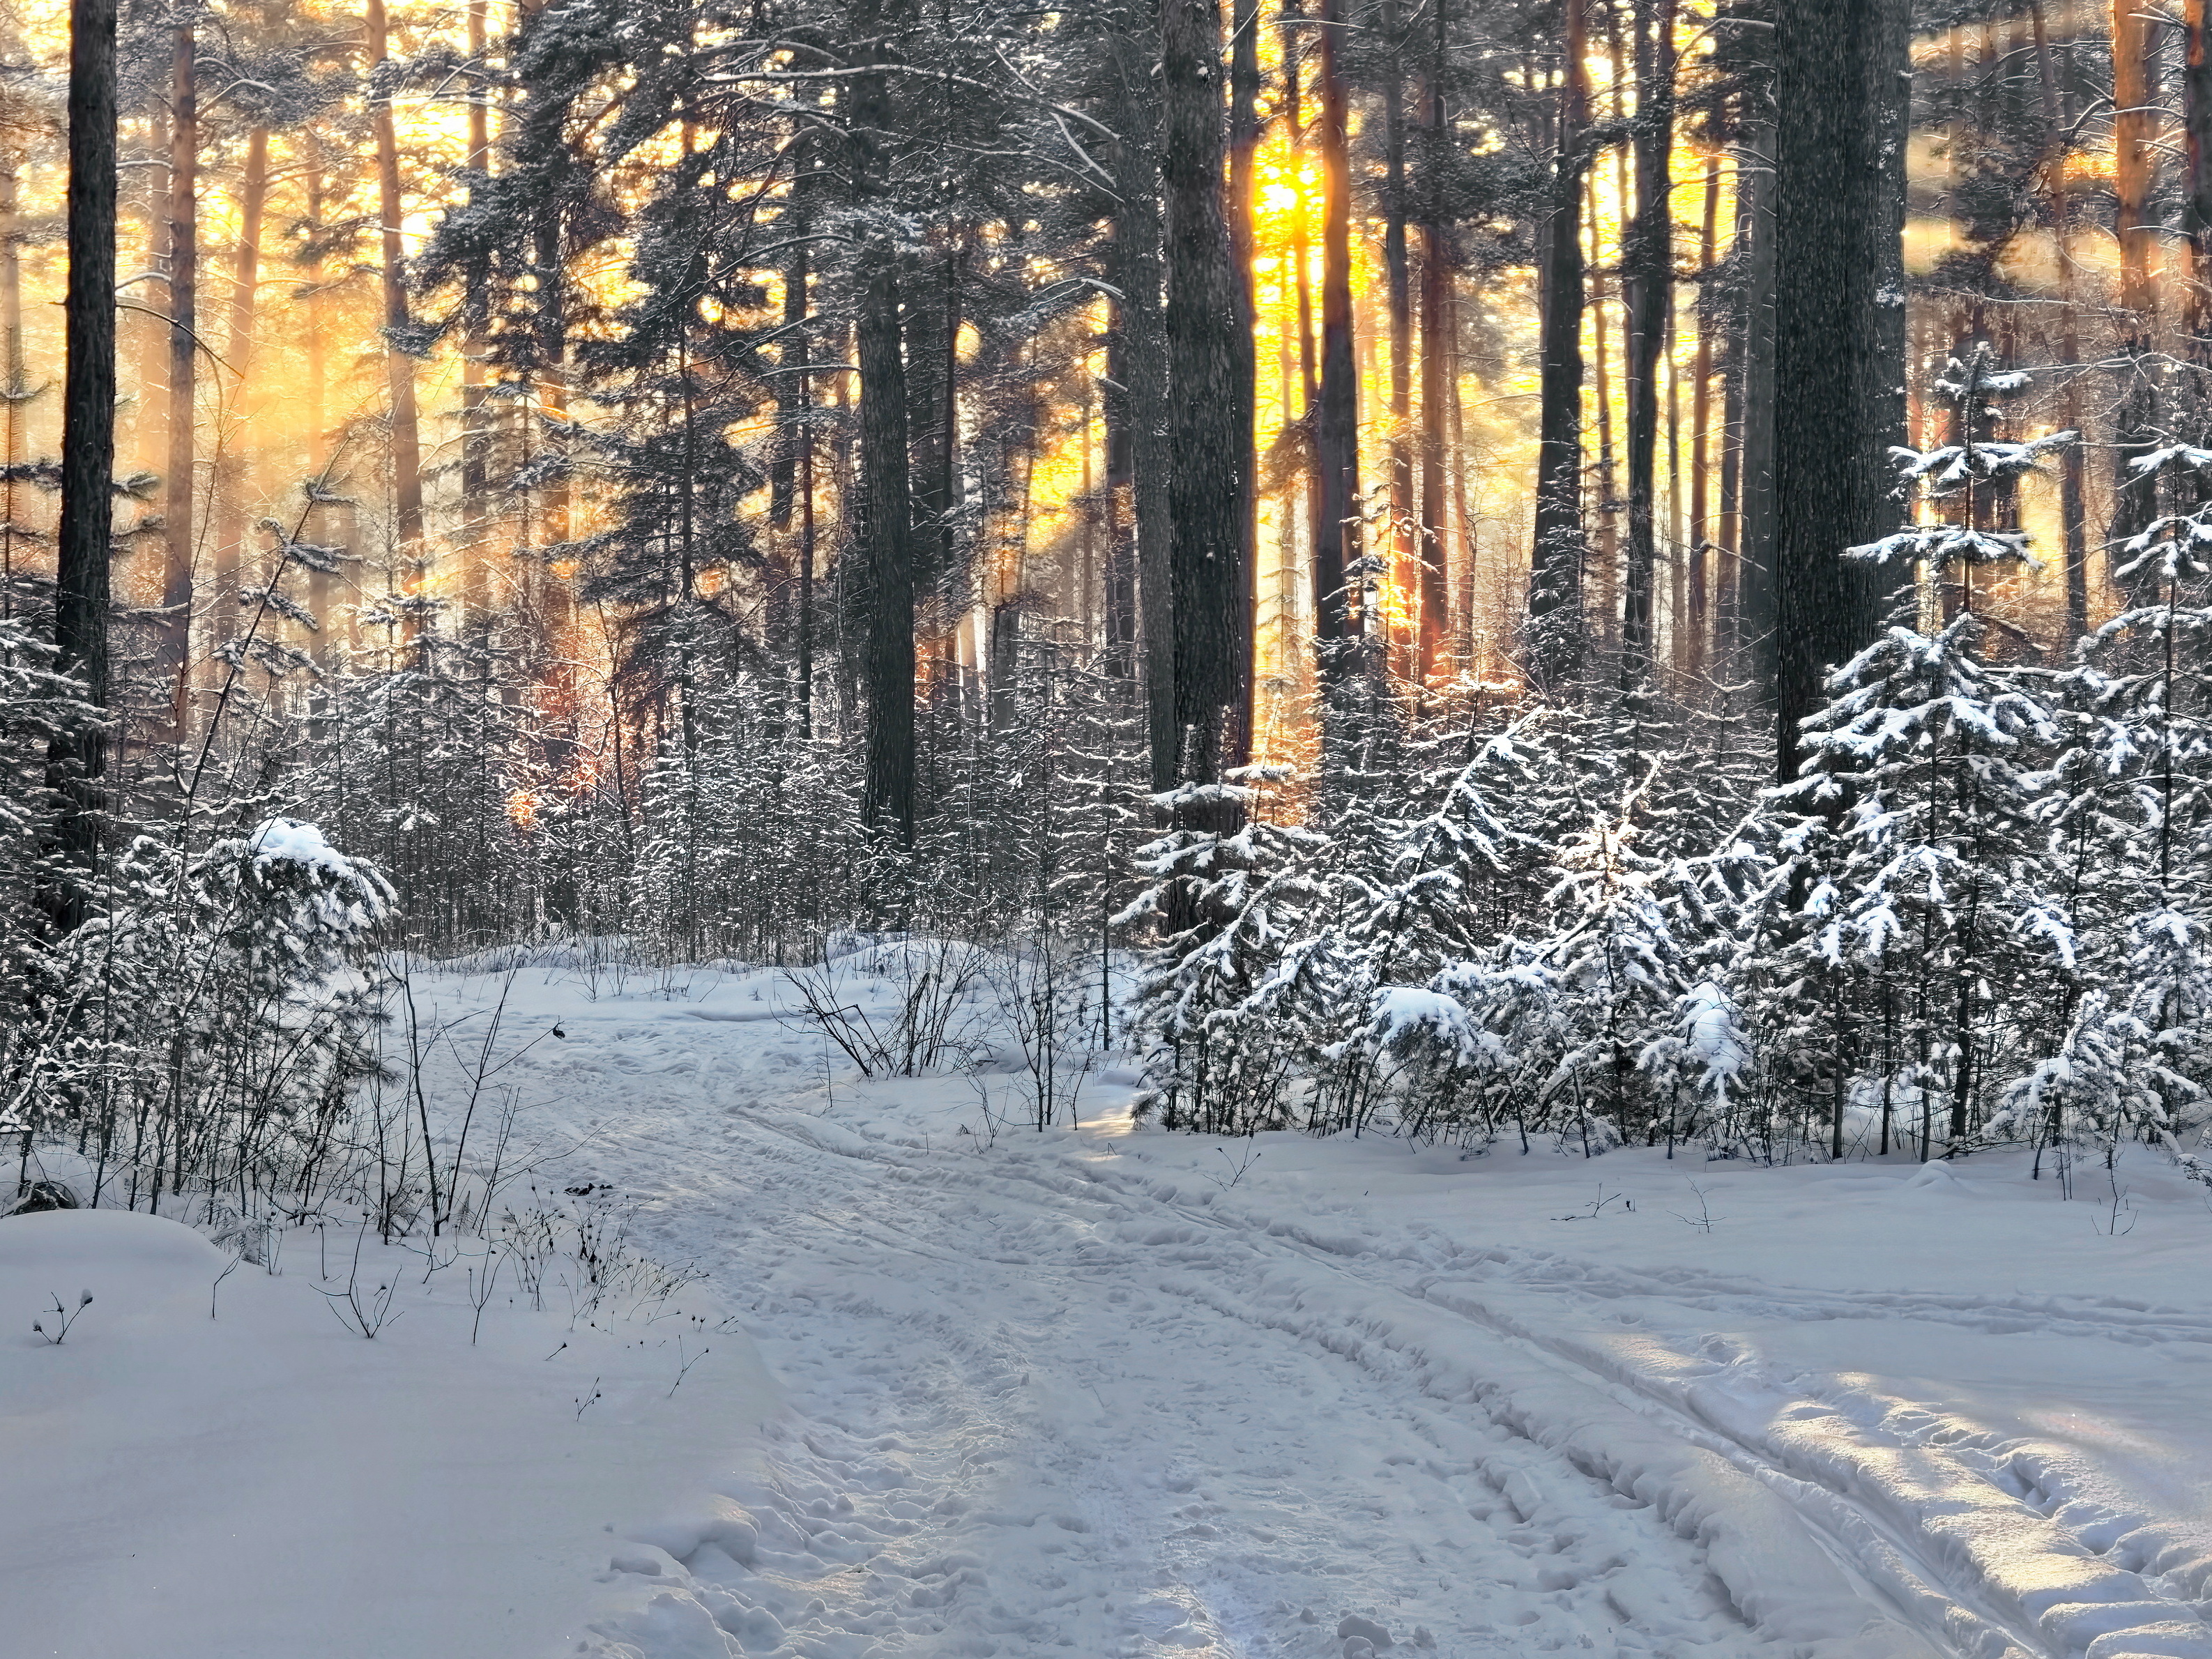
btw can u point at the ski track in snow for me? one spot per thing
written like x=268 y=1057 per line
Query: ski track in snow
x=1047 y=1398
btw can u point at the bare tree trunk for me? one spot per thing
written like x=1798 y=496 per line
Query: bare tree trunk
x=2135 y=167
x=1698 y=624
x=179 y=498
x=476 y=441
x=1243 y=145
x=2072 y=509
x=1336 y=416
x=792 y=475
x=2196 y=121
x=889 y=793
x=76 y=757
x=1141 y=406
x=399 y=366
x=14 y=394
x=1882 y=386
x=1824 y=301
x=1556 y=641
x=149 y=332
x=1648 y=282
x=1403 y=545
x=1301 y=247
x=230 y=462
x=320 y=587
x=933 y=335
x=1209 y=349
x=1295 y=44
x=1755 y=562
x=1436 y=371
x=1603 y=574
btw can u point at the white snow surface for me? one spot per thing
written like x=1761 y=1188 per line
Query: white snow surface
x=1109 y=1391
x=264 y=1485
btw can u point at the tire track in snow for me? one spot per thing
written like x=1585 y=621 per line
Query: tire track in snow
x=1449 y=1372
x=1970 y=1537
x=1112 y=1432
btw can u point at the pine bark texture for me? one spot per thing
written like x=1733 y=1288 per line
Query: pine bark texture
x=1555 y=645
x=1648 y=259
x=179 y=496
x=2135 y=229
x=1436 y=361
x=76 y=756
x=1209 y=351
x=1336 y=416
x=230 y=474
x=1141 y=406
x=398 y=366
x=1824 y=305
x=888 y=801
x=1755 y=570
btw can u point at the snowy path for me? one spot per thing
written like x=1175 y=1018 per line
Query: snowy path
x=1051 y=1412
x=1079 y=1394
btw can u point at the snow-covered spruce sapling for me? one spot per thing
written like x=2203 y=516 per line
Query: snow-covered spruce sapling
x=2139 y=702
x=1921 y=920
x=1619 y=973
x=64 y=1318
x=1702 y=1059
x=1228 y=998
x=1965 y=483
x=1923 y=916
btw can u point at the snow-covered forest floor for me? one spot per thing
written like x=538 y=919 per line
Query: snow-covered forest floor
x=968 y=1388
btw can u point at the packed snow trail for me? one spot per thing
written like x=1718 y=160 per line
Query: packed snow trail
x=1041 y=1412
x=1079 y=1393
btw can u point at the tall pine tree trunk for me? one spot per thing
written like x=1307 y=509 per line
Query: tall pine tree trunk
x=314 y=350
x=230 y=533
x=1755 y=568
x=1403 y=542
x=149 y=332
x=1882 y=383
x=179 y=497
x=888 y=792
x=1826 y=348
x=2196 y=121
x=793 y=393
x=1141 y=406
x=2135 y=227
x=15 y=393
x=1823 y=307
x=931 y=291
x=792 y=474
x=1698 y=624
x=1648 y=262
x=1556 y=641
x=1209 y=350
x=2073 y=508
x=1336 y=417
x=475 y=439
x=1436 y=363
x=76 y=757
x=398 y=366
x=1243 y=147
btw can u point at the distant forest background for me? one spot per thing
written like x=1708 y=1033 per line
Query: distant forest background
x=1548 y=561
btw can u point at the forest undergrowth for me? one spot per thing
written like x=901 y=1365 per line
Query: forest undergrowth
x=1978 y=917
